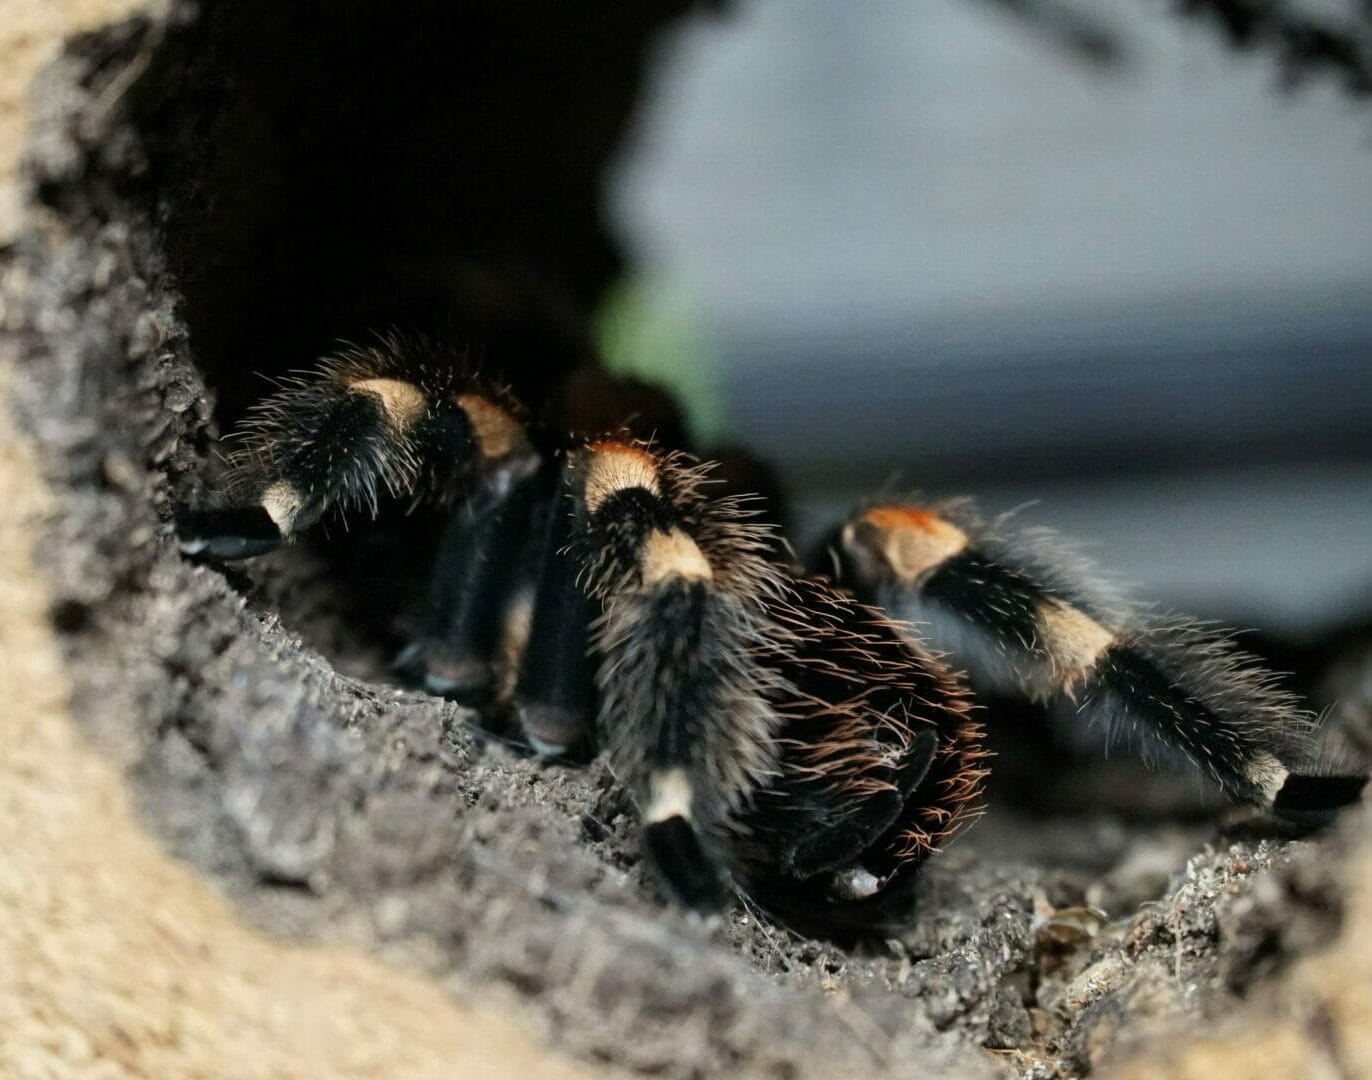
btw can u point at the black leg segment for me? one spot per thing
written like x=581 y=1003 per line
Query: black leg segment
x=479 y=561
x=555 y=694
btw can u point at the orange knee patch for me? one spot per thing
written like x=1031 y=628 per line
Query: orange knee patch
x=494 y=429
x=613 y=467
x=911 y=541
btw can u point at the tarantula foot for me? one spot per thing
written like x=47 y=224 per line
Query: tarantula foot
x=551 y=729
x=239 y=532
x=1313 y=800
x=450 y=673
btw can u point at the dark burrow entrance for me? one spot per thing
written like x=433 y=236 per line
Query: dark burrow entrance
x=324 y=173
x=238 y=186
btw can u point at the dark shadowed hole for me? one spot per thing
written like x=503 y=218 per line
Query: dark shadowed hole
x=70 y=616
x=323 y=172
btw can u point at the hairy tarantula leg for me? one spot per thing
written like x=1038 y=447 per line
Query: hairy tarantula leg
x=1223 y=711
x=474 y=574
x=662 y=585
x=1029 y=612
x=683 y=712
x=369 y=420
x=555 y=691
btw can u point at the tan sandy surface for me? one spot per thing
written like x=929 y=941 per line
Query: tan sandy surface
x=31 y=31
x=1315 y=1024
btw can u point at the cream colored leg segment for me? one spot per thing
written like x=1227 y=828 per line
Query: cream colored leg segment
x=1074 y=642
x=403 y=402
x=669 y=796
x=673 y=555
x=282 y=501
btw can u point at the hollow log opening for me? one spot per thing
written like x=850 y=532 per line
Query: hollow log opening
x=219 y=193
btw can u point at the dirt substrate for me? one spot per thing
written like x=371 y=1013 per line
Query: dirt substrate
x=264 y=746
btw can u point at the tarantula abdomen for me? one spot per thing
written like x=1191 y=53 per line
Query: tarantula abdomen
x=880 y=764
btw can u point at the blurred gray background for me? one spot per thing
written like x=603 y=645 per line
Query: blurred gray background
x=916 y=242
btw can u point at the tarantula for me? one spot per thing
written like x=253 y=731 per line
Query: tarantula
x=785 y=735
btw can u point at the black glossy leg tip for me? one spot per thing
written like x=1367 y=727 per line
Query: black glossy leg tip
x=551 y=729
x=1312 y=800
x=224 y=535
x=467 y=680
x=683 y=866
